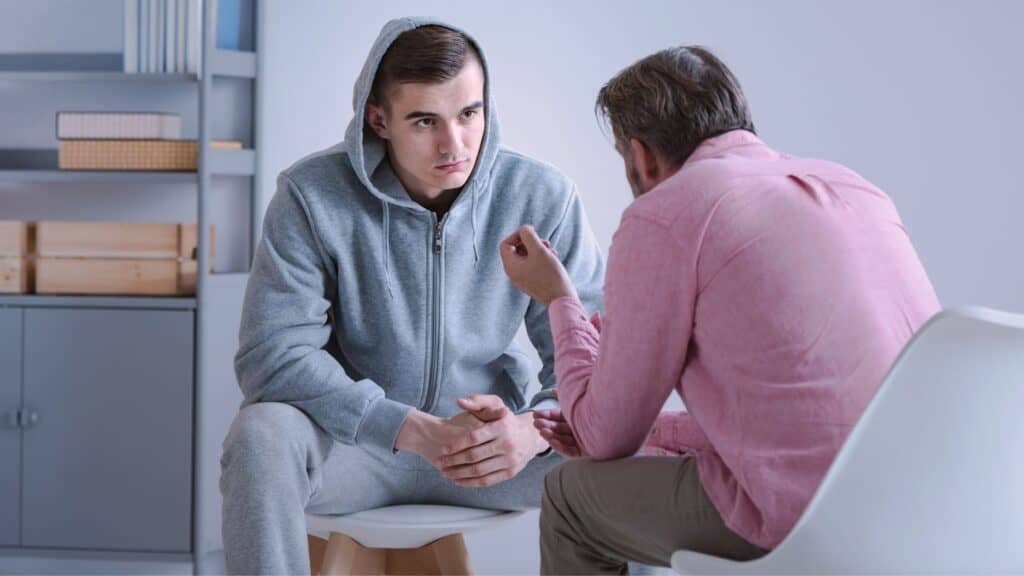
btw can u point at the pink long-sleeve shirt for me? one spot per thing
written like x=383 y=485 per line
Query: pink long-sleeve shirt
x=773 y=293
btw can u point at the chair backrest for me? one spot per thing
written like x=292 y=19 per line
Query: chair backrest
x=931 y=479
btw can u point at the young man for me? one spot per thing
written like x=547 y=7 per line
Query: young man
x=772 y=292
x=378 y=323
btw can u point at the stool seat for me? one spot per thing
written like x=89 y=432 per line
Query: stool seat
x=406 y=539
x=405 y=526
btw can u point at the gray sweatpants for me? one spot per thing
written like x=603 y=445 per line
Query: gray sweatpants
x=277 y=464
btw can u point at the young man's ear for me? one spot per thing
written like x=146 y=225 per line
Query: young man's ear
x=376 y=119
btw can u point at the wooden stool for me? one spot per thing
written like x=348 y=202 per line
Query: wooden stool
x=409 y=539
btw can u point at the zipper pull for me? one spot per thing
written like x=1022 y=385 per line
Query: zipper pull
x=437 y=238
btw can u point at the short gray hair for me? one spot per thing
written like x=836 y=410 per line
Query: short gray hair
x=673 y=100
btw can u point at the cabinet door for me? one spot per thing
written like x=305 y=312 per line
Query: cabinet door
x=108 y=464
x=10 y=435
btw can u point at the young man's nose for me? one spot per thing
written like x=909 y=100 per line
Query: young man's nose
x=449 y=139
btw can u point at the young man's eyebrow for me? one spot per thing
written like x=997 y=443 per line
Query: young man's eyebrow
x=417 y=114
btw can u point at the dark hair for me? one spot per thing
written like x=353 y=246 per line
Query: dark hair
x=673 y=100
x=429 y=55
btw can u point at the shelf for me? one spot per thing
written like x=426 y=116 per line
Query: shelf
x=61 y=62
x=233 y=63
x=147 y=302
x=41 y=166
x=76 y=68
x=97 y=176
x=40 y=76
x=87 y=68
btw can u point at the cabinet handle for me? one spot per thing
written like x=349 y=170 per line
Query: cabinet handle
x=27 y=418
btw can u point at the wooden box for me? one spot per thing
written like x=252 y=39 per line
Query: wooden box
x=126 y=258
x=15 y=275
x=127 y=276
x=16 y=238
x=118 y=154
x=106 y=240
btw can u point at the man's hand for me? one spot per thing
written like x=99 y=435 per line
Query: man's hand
x=494 y=452
x=553 y=427
x=533 y=266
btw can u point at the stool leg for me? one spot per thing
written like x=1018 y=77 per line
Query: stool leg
x=441 y=557
x=317 y=549
x=451 y=554
x=412 y=562
x=345 y=556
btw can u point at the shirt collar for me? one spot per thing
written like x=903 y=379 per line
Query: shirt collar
x=723 y=144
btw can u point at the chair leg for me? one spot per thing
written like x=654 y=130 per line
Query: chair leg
x=317 y=549
x=443 y=557
x=345 y=556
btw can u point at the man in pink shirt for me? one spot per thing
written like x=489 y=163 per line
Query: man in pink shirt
x=771 y=292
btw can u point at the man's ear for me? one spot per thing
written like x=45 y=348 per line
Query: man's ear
x=644 y=161
x=376 y=119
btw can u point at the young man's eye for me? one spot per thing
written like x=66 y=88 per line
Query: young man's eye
x=425 y=122
x=468 y=114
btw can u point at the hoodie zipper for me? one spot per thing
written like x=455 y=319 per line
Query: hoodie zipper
x=434 y=370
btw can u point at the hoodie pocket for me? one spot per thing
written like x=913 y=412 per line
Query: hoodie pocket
x=517 y=368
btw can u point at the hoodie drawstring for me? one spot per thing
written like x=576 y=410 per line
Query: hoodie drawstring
x=472 y=220
x=385 y=224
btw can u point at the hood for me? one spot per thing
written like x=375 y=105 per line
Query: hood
x=366 y=150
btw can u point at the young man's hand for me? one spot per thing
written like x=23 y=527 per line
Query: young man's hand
x=494 y=452
x=426 y=434
x=533 y=266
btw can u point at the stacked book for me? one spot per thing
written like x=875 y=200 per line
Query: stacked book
x=162 y=36
x=127 y=141
x=165 y=36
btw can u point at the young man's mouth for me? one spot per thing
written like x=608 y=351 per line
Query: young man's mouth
x=452 y=167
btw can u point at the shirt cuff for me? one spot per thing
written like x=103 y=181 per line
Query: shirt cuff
x=567 y=313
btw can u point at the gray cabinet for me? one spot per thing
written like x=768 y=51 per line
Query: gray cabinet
x=10 y=433
x=106 y=434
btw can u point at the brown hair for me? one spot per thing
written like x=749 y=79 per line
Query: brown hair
x=673 y=100
x=429 y=55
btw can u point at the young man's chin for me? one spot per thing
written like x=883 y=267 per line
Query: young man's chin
x=451 y=181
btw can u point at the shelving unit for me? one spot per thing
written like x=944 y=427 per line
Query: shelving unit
x=221 y=103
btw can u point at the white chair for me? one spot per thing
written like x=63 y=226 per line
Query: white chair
x=931 y=479
x=409 y=539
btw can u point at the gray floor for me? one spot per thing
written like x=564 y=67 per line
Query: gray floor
x=37 y=564
x=488 y=553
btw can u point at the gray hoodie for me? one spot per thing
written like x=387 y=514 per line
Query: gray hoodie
x=362 y=305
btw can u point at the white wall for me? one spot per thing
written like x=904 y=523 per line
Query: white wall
x=921 y=97
x=56 y=26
